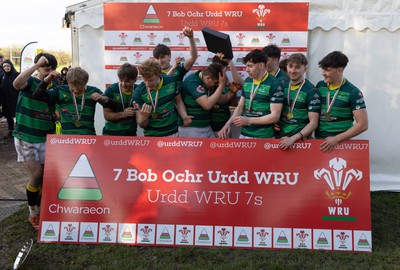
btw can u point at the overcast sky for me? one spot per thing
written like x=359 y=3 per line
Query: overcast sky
x=24 y=21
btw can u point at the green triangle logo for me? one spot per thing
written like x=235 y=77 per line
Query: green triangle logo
x=81 y=184
x=151 y=16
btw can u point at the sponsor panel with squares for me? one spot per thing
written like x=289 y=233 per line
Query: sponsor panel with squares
x=69 y=231
x=262 y=237
x=243 y=237
x=223 y=236
x=108 y=233
x=184 y=235
x=322 y=239
x=88 y=232
x=302 y=238
x=282 y=238
x=127 y=233
x=363 y=241
x=343 y=240
x=50 y=231
x=204 y=235
x=165 y=234
x=146 y=234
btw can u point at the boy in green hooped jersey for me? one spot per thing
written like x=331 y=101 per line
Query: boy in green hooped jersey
x=157 y=97
x=220 y=113
x=301 y=104
x=201 y=91
x=260 y=105
x=76 y=102
x=342 y=103
x=162 y=54
x=34 y=120
x=273 y=54
x=121 y=121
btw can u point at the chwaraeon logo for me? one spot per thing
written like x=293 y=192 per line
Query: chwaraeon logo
x=151 y=16
x=81 y=184
x=338 y=177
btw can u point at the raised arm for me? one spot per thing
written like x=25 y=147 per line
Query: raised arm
x=207 y=102
x=187 y=31
x=40 y=92
x=22 y=80
x=235 y=74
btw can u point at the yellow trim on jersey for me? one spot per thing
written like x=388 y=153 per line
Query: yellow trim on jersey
x=159 y=85
x=295 y=87
x=263 y=79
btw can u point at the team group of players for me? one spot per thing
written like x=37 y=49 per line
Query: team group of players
x=272 y=104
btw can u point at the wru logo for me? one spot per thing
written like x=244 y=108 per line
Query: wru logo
x=340 y=180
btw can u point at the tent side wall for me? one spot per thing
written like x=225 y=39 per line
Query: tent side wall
x=373 y=61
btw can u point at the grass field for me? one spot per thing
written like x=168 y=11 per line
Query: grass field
x=15 y=230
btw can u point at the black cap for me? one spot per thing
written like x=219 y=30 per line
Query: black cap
x=1 y=56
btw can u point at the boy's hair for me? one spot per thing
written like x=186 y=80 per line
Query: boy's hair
x=161 y=50
x=64 y=69
x=334 y=59
x=77 y=76
x=149 y=68
x=52 y=60
x=298 y=58
x=255 y=56
x=216 y=59
x=127 y=71
x=272 y=51
x=213 y=70
x=283 y=64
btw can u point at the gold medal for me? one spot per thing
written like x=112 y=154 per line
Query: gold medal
x=289 y=115
x=328 y=116
x=78 y=123
x=154 y=115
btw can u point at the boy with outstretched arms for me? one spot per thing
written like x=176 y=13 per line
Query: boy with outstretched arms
x=76 y=101
x=162 y=54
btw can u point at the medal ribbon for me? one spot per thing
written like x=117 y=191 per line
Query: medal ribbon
x=329 y=103
x=76 y=105
x=295 y=98
x=276 y=74
x=122 y=97
x=254 y=91
x=153 y=102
